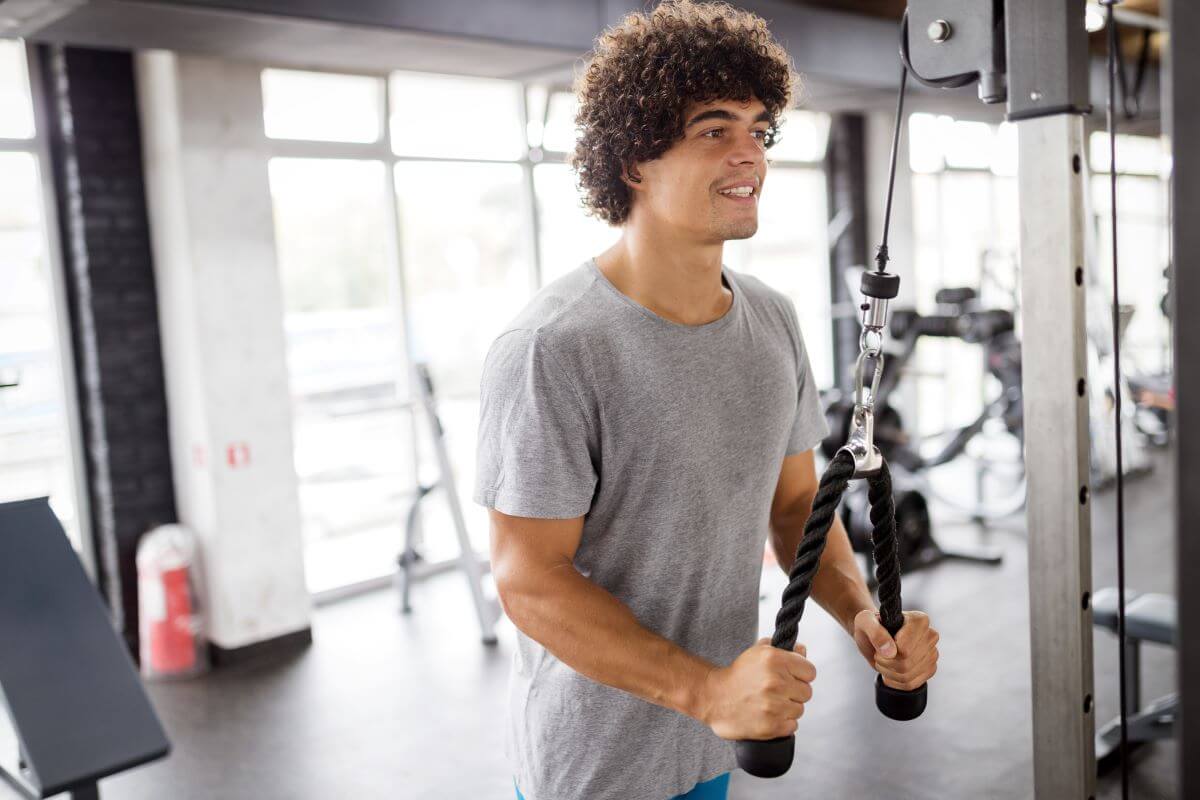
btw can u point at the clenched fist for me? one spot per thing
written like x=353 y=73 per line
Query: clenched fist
x=906 y=662
x=760 y=695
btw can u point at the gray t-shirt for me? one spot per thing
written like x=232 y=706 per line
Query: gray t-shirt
x=668 y=439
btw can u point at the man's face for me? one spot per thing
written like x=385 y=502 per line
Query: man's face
x=708 y=183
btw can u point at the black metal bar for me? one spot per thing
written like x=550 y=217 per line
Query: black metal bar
x=846 y=189
x=1184 y=127
x=1122 y=640
x=89 y=791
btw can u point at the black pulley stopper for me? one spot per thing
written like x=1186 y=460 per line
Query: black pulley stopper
x=881 y=285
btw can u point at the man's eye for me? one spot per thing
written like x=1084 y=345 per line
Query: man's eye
x=713 y=134
x=762 y=135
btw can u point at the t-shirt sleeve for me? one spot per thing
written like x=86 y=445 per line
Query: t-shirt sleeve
x=809 y=426
x=535 y=443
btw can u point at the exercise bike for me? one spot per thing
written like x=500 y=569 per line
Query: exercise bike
x=959 y=317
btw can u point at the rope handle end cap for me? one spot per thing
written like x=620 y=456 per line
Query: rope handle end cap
x=768 y=758
x=899 y=704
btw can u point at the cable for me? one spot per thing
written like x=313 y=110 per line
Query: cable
x=1131 y=100
x=1113 y=45
x=881 y=252
x=949 y=82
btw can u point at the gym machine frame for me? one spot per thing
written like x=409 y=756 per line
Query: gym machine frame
x=1183 y=122
x=1034 y=54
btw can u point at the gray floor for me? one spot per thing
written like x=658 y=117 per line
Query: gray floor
x=384 y=706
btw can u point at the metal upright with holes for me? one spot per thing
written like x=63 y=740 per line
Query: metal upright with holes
x=1043 y=75
x=1058 y=510
x=1047 y=93
x=1184 y=127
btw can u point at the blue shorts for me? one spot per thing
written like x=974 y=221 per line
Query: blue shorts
x=716 y=789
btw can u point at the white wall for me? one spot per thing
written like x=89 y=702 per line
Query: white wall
x=221 y=311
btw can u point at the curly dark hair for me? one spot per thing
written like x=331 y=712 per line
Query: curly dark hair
x=647 y=70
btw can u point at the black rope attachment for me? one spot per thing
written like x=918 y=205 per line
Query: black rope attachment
x=771 y=758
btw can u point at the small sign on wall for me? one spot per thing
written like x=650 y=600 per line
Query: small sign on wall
x=237 y=454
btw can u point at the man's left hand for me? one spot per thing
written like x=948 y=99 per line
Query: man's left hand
x=906 y=662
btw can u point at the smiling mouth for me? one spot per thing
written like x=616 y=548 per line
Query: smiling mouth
x=747 y=197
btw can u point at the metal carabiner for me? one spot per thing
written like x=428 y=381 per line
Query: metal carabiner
x=858 y=378
x=878 y=289
x=872 y=346
x=861 y=442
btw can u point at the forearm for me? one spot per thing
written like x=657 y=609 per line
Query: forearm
x=598 y=636
x=838 y=586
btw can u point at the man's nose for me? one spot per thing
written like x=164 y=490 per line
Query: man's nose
x=746 y=149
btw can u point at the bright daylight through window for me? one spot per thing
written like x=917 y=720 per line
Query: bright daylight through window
x=393 y=233
x=37 y=454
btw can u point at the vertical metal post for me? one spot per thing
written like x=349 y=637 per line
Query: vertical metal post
x=1054 y=366
x=402 y=294
x=88 y=791
x=1183 y=118
x=533 y=156
x=487 y=609
x=846 y=189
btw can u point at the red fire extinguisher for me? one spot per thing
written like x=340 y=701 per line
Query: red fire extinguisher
x=170 y=622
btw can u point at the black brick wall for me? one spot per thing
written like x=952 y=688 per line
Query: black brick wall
x=96 y=159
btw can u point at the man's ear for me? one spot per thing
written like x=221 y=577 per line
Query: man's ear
x=630 y=175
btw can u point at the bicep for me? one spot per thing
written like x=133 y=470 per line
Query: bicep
x=524 y=547
x=796 y=488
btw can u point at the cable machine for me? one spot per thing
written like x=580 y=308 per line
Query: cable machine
x=1033 y=56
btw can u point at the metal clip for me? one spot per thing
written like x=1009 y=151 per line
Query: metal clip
x=861 y=442
x=858 y=379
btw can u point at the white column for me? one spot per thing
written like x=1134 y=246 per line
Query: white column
x=221 y=311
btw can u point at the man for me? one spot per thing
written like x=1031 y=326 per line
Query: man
x=646 y=421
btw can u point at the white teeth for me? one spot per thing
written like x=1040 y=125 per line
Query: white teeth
x=740 y=191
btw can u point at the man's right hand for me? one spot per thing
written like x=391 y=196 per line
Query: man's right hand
x=760 y=695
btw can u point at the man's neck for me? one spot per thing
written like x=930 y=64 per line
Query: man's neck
x=677 y=279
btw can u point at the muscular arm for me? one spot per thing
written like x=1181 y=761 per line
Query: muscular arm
x=838 y=586
x=583 y=625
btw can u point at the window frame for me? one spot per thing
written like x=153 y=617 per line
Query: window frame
x=38 y=146
x=381 y=151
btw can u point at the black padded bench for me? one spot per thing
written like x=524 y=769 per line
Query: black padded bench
x=1149 y=617
x=72 y=707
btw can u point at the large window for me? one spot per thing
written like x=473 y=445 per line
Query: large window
x=37 y=454
x=567 y=236
x=1143 y=244
x=965 y=216
x=788 y=252
x=352 y=440
x=965 y=234
x=415 y=226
